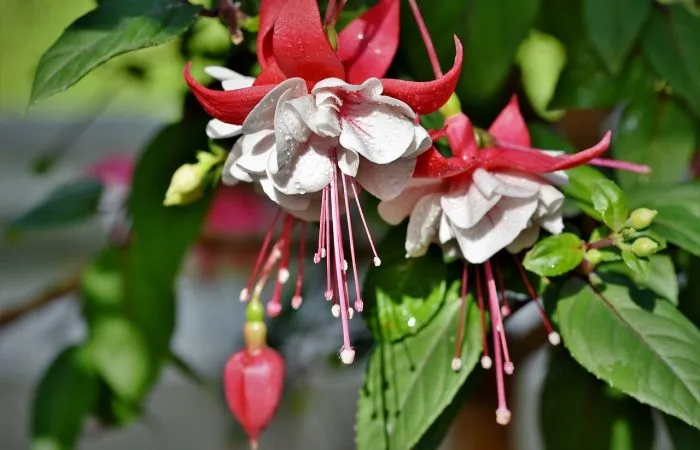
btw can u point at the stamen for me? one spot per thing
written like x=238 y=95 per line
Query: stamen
x=505 y=307
x=376 y=259
x=347 y=354
x=553 y=336
x=327 y=235
x=358 y=299
x=321 y=252
x=486 y=361
x=275 y=255
x=502 y=413
x=457 y=359
x=297 y=299
x=274 y=306
x=426 y=39
x=261 y=255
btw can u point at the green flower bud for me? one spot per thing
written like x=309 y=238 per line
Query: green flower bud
x=641 y=218
x=186 y=185
x=594 y=256
x=452 y=107
x=644 y=246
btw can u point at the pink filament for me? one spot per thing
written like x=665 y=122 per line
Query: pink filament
x=533 y=295
x=338 y=256
x=364 y=223
x=426 y=38
x=496 y=328
x=300 y=261
x=261 y=256
x=480 y=300
x=358 y=299
x=462 y=314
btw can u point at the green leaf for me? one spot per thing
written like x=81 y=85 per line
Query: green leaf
x=613 y=27
x=407 y=293
x=639 y=344
x=113 y=28
x=591 y=417
x=670 y=44
x=659 y=133
x=163 y=235
x=489 y=50
x=64 y=398
x=610 y=202
x=683 y=436
x=678 y=208
x=639 y=267
x=662 y=277
x=555 y=255
x=409 y=382
x=68 y=204
x=585 y=82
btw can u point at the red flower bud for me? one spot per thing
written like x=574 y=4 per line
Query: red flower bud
x=253 y=383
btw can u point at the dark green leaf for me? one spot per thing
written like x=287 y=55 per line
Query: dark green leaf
x=610 y=202
x=670 y=44
x=555 y=255
x=113 y=28
x=639 y=267
x=66 y=205
x=406 y=293
x=579 y=413
x=489 y=50
x=64 y=398
x=640 y=344
x=163 y=235
x=409 y=382
x=683 y=436
x=662 y=277
x=613 y=27
x=678 y=209
x=656 y=132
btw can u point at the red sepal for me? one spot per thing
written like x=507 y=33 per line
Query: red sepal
x=269 y=10
x=510 y=125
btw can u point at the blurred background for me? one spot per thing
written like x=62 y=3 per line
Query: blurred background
x=95 y=132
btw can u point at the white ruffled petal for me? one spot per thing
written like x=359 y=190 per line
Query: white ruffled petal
x=550 y=198
x=348 y=162
x=445 y=233
x=291 y=134
x=376 y=131
x=233 y=84
x=222 y=73
x=394 y=211
x=525 y=239
x=257 y=148
x=553 y=222
x=288 y=202
x=423 y=225
x=467 y=205
x=498 y=229
x=232 y=173
x=309 y=169
x=217 y=129
x=421 y=142
x=515 y=185
x=386 y=181
x=262 y=116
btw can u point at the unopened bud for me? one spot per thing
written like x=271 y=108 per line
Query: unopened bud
x=452 y=107
x=185 y=186
x=594 y=256
x=641 y=218
x=644 y=246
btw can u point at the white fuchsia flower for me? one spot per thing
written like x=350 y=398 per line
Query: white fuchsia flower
x=319 y=124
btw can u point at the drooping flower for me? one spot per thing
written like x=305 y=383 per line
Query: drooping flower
x=318 y=125
x=481 y=201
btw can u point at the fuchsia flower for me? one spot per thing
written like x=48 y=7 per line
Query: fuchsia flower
x=481 y=201
x=318 y=125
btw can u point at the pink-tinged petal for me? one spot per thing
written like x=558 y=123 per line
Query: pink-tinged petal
x=432 y=164
x=423 y=225
x=498 y=229
x=425 y=97
x=394 y=211
x=262 y=116
x=113 y=170
x=466 y=205
x=228 y=106
x=272 y=74
x=301 y=47
x=510 y=125
x=368 y=44
x=269 y=10
x=385 y=181
x=460 y=136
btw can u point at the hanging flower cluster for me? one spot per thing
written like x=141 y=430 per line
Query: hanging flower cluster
x=320 y=124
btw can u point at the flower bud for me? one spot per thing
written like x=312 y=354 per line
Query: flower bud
x=644 y=246
x=641 y=218
x=253 y=385
x=186 y=185
x=452 y=107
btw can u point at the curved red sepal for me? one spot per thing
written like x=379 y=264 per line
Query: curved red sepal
x=510 y=125
x=460 y=136
x=301 y=47
x=270 y=75
x=538 y=162
x=253 y=385
x=228 y=106
x=431 y=164
x=425 y=97
x=269 y=10
x=368 y=44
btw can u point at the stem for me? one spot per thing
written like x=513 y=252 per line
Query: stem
x=426 y=39
x=606 y=242
x=13 y=313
